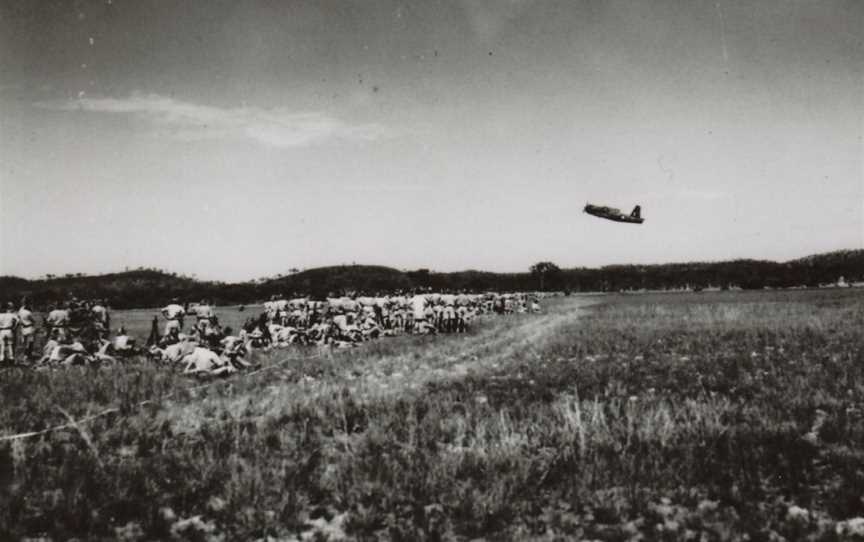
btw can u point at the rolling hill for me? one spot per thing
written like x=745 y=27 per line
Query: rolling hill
x=152 y=287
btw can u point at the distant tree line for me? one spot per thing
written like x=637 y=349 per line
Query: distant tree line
x=145 y=287
x=812 y=271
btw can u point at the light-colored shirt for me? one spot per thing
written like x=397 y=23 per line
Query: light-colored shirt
x=231 y=344
x=25 y=316
x=100 y=312
x=123 y=342
x=175 y=352
x=173 y=311
x=58 y=317
x=8 y=320
x=204 y=311
x=418 y=303
x=202 y=359
x=341 y=321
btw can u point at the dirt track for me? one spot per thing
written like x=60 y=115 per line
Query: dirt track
x=368 y=372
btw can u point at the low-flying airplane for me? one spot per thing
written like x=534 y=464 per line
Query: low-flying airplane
x=610 y=213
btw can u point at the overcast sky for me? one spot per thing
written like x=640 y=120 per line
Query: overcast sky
x=235 y=140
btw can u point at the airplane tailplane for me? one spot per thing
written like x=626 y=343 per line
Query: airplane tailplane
x=637 y=212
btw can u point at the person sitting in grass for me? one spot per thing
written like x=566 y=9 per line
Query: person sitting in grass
x=212 y=334
x=54 y=340
x=175 y=352
x=425 y=327
x=234 y=349
x=101 y=355
x=320 y=333
x=343 y=323
x=123 y=344
x=203 y=361
x=369 y=327
x=172 y=337
x=71 y=353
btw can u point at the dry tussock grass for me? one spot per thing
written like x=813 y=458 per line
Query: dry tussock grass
x=653 y=417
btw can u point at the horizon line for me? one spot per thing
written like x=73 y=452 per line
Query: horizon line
x=276 y=276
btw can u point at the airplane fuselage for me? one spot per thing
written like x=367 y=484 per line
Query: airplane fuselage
x=610 y=213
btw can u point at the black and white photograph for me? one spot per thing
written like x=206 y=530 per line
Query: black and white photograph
x=431 y=270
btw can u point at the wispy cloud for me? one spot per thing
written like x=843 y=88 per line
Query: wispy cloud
x=275 y=127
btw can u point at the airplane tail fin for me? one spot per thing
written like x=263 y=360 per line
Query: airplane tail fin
x=637 y=212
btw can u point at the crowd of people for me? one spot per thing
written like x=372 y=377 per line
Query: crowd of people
x=75 y=331
x=348 y=320
x=78 y=332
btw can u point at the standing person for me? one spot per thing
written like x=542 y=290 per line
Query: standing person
x=8 y=323
x=101 y=319
x=204 y=313
x=57 y=320
x=448 y=312
x=419 y=303
x=79 y=314
x=173 y=314
x=27 y=323
x=433 y=313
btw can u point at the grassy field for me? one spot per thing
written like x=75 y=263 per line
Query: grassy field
x=729 y=415
x=138 y=321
